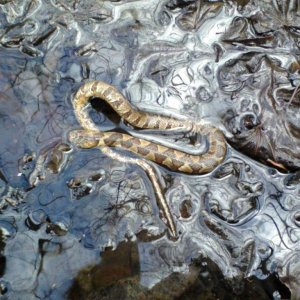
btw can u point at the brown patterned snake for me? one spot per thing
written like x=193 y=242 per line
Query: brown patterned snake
x=173 y=159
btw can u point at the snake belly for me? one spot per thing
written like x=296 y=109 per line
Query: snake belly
x=173 y=159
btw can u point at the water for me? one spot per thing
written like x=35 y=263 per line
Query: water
x=234 y=64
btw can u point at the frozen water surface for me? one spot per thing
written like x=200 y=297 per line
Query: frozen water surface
x=76 y=224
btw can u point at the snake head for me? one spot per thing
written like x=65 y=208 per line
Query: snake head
x=84 y=138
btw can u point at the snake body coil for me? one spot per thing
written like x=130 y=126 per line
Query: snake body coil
x=173 y=159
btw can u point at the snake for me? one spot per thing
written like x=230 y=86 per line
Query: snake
x=175 y=160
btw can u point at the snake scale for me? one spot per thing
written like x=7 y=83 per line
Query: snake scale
x=173 y=159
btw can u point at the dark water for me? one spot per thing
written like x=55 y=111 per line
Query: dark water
x=234 y=64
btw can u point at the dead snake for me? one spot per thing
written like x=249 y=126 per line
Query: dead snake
x=173 y=159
